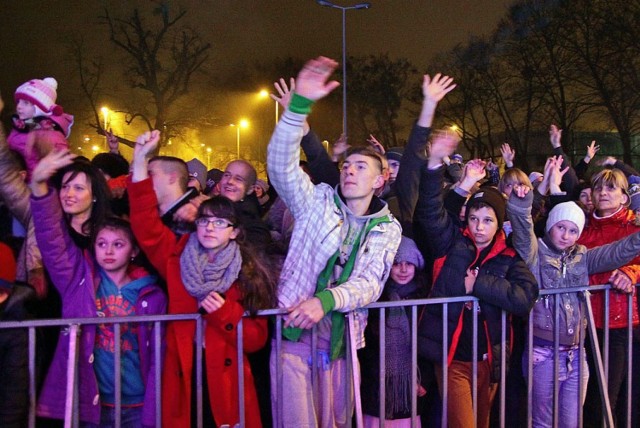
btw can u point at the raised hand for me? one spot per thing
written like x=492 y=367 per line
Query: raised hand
x=508 y=154
x=592 y=149
x=46 y=168
x=608 y=161
x=112 y=141
x=555 y=135
x=556 y=174
x=145 y=144
x=473 y=171
x=375 y=144
x=520 y=190
x=312 y=82
x=440 y=147
x=284 y=93
x=435 y=89
x=339 y=147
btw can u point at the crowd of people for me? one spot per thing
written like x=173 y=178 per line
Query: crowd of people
x=321 y=239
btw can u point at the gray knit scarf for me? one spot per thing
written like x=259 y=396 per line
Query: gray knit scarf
x=202 y=274
x=398 y=351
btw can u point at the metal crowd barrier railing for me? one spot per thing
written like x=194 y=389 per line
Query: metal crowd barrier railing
x=602 y=361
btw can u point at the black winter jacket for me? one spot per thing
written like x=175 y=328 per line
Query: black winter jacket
x=503 y=281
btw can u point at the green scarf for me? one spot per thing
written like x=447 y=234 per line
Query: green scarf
x=337 y=318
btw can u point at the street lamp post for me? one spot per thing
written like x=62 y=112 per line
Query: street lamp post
x=265 y=94
x=344 y=10
x=243 y=123
x=105 y=115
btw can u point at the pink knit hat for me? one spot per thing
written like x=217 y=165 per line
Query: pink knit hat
x=42 y=93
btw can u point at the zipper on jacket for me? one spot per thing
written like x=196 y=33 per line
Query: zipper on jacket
x=331 y=231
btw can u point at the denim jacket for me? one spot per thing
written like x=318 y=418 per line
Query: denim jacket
x=561 y=269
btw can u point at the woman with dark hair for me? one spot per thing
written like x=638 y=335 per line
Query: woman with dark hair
x=84 y=197
x=209 y=271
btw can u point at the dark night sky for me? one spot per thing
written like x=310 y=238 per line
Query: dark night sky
x=32 y=31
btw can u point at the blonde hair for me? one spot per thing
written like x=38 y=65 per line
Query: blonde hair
x=610 y=177
x=513 y=176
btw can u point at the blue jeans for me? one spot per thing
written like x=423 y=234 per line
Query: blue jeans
x=130 y=417
x=570 y=399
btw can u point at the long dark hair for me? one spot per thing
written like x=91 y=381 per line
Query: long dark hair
x=256 y=279
x=100 y=194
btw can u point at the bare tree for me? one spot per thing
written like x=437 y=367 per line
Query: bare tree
x=161 y=61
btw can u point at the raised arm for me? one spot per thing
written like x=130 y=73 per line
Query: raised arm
x=570 y=178
x=156 y=240
x=523 y=236
x=283 y=153
x=433 y=227
x=408 y=179
x=62 y=258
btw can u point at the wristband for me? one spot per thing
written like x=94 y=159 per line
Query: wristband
x=300 y=104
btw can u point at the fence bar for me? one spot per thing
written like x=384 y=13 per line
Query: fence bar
x=32 y=377
x=70 y=408
x=581 y=369
x=474 y=364
x=382 y=410
x=605 y=346
x=529 y=371
x=595 y=348
x=556 y=359
x=239 y=332
x=414 y=364
x=503 y=365
x=157 y=355
x=199 y=338
x=630 y=298
x=279 y=375
x=445 y=366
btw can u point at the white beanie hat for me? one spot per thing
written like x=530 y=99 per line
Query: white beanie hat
x=42 y=93
x=566 y=211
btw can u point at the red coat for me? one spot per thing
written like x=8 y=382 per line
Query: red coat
x=600 y=231
x=220 y=338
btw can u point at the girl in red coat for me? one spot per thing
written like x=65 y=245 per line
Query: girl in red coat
x=208 y=271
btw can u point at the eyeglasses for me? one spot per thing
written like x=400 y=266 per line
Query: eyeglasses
x=217 y=223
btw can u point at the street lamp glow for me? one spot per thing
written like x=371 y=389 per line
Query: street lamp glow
x=344 y=10
x=242 y=123
x=263 y=93
x=95 y=148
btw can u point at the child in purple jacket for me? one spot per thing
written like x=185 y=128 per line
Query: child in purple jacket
x=102 y=283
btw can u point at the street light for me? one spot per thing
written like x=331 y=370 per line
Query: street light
x=265 y=94
x=344 y=10
x=243 y=123
x=208 y=158
x=105 y=114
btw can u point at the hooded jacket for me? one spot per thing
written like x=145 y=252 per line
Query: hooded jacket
x=321 y=223
x=503 y=281
x=559 y=269
x=74 y=273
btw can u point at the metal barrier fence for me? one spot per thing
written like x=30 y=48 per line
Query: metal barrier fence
x=602 y=361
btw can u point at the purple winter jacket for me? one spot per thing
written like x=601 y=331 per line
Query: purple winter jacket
x=74 y=273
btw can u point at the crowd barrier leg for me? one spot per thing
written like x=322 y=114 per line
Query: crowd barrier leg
x=595 y=348
x=355 y=372
x=71 y=401
x=32 y=377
